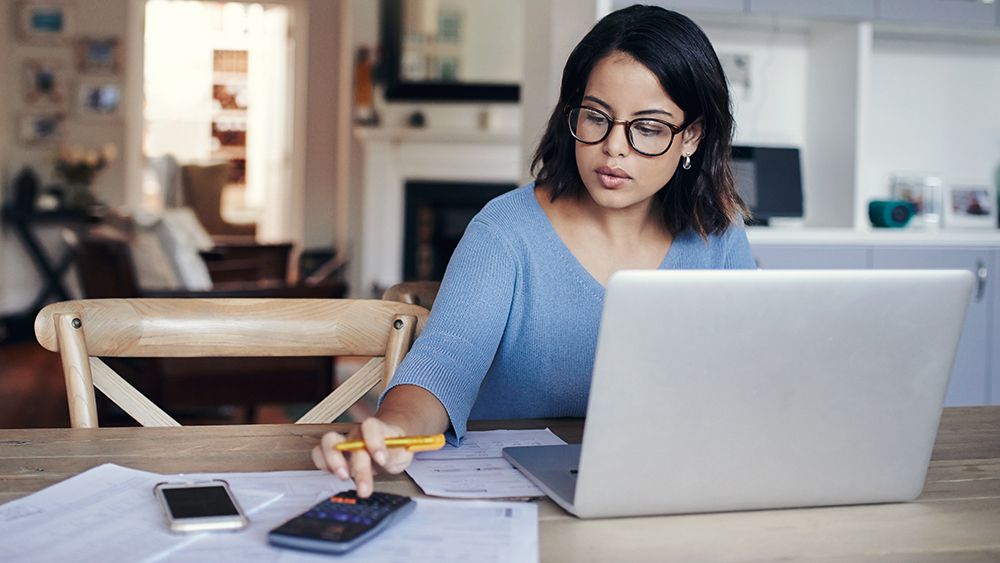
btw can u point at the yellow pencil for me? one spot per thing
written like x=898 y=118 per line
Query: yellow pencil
x=411 y=443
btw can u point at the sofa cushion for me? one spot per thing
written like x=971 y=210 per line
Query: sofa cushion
x=182 y=238
x=153 y=266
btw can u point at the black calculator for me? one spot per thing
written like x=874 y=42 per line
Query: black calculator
x=341 y=522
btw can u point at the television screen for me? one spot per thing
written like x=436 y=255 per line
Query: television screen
x=769 y=179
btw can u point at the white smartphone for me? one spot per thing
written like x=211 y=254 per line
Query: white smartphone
x=200 y=506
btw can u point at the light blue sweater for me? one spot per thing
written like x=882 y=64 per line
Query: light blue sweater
x=513 y=329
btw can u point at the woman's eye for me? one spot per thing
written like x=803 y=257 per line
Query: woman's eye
x=595 y=117
x=650 y=129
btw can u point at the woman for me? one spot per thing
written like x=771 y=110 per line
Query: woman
x=633 y=171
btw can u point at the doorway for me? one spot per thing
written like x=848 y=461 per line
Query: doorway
x=217 y=88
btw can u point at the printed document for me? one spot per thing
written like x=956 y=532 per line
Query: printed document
x=109 y=513
x=477 y=468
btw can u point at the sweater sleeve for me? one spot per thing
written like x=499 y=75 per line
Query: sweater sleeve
x=457 y=346
x=737 y=245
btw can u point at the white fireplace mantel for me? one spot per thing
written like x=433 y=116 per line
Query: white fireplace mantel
x=394 y=156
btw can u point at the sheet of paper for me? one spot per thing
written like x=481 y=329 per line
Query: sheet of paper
x=477 y=469
x=108 y=511
x=109 y=514
x=438 y=530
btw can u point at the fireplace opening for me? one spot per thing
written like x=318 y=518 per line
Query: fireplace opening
x=437 y=214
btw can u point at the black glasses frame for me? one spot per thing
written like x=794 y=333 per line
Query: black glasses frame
x=674 y=129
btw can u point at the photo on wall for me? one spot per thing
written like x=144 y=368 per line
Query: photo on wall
x=41 y=127
x=98 y=98
x=45 y=83
x=44 y=21
x=98 y=55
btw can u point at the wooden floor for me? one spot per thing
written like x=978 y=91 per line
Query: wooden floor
x=33 y=394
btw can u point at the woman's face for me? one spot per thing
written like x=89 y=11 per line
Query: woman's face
x=615 y=175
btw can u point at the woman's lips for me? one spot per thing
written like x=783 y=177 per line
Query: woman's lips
x=612 y=178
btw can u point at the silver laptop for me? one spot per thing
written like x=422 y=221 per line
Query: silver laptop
x=739 y=390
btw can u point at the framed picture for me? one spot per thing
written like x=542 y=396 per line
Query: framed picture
x=925 y=193
x=98 y=98
x=44 y=21
x=45 y=82
x=98 y=55
x=971 y=206
x=38 y=128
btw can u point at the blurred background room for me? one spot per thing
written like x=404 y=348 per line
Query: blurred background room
x=335 y=148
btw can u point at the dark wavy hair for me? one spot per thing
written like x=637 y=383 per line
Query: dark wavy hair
x=676 y=50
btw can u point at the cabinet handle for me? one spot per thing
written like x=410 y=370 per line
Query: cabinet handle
x=982 y=273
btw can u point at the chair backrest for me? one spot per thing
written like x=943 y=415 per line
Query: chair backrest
x=420 y=293
x=202 y=187
x=82 y=331
x=104 y=263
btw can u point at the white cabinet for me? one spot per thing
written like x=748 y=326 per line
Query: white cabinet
x=703 y=6
x=962 y=13
x=994 y=382
x=855 y=10
x=975 y=377
x=812 y=257
x=970 y=378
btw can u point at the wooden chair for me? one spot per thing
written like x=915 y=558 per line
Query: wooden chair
x=82 y=331
x=202 y=187
x=420 y=293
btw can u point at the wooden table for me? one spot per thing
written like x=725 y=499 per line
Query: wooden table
x=957 y=518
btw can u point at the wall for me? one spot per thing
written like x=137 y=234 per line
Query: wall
x=950 y=122
x=106 y=18
x=6 y=92
x=315 y=206
x=771 y=109
x=364 y=31
x=321 y=129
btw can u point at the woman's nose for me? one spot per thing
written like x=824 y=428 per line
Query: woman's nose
x=616 y=143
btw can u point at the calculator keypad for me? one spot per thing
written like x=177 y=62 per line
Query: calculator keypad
x=341 y=522
x=347 y=507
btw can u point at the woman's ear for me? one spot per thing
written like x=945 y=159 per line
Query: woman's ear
x=691 y=136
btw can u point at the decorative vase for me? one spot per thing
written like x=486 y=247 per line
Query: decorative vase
x=78 y=196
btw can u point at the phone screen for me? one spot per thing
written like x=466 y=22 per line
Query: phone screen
x=199 y=502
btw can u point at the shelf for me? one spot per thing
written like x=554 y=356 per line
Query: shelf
x=230 y=153
x=228 y=114
x=430 y=135
x=897 y=237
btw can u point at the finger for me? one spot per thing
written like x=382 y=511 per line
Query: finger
x=333 y=459
x=374 y=436
x=398 y=462
x=361 y=470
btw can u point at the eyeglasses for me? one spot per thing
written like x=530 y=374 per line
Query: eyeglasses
x=647 y=136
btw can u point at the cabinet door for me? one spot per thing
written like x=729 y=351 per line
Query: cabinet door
x=685 y=6
x=969 y=377
x=810 y=257
x=853 y=10
x=938 y=12
x=994 y=308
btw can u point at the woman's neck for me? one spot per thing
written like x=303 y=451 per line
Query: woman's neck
x=618 y=226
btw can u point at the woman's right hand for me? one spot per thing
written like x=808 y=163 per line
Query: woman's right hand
x=362 y=465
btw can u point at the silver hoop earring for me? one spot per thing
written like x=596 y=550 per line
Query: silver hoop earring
x=687 y=162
